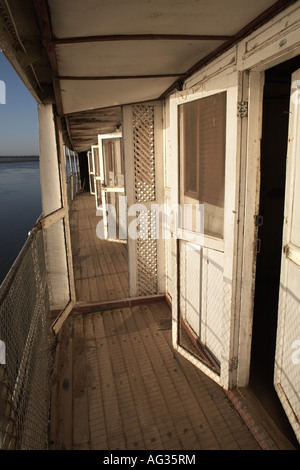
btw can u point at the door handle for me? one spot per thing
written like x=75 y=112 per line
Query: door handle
x=258 y=246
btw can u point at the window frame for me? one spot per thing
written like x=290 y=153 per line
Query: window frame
x=187 y=192
x=188 y=196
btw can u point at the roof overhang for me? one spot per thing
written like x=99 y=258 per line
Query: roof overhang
x=90 y=58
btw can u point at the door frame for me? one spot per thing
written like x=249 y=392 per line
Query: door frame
x=104 y=187
x=248 y=247
x=248 y=233
x=289 y=255
x=233 y=84
x=91 y=165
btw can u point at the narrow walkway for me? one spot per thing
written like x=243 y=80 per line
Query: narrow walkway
x=100 y=266
x=119 y=384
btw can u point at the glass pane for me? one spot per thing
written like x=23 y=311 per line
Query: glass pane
x=295 y=232
x=96 y=161
x=189 y=146
x=212 y=149
x=202 y=146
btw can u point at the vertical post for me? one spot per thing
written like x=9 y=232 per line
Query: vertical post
x=65 y=204
x=54 y=235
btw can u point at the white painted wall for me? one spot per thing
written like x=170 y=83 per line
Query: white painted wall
x=275 y=42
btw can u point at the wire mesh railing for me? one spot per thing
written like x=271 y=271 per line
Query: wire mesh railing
x=27 y=350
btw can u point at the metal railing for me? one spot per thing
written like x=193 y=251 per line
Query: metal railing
x=26 y=363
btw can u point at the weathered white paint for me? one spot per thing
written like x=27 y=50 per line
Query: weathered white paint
x=78 y=96
x=56 y=259
x=49 y=170
x=287 y=363
x=275 y=42
x=249 y=207
x=134 y=57
x=139 y=57
x=213 y=248
x=153 y=17
x=66 y=221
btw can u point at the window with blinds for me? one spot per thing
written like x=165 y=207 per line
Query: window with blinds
x=202 y=134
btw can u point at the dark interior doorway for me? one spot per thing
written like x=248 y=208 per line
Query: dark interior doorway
x=273 y=166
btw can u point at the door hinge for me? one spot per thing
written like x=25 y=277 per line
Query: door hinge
x=242 y=109
x=259 y=220
x=233 y=364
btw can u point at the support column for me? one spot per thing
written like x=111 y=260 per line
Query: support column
x=54 y=235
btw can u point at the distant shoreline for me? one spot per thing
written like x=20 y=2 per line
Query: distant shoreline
x=33 y=158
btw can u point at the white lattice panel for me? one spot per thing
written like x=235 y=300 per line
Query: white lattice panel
x=144 y=152
x=144 y=181
x=147 y=255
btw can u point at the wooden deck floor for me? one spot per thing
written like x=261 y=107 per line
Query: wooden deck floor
x=100 y=266
x=118 y=384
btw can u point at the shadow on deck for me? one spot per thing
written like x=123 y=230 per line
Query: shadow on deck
x=119 y=384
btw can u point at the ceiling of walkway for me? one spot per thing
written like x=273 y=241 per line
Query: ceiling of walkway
x=91 y=57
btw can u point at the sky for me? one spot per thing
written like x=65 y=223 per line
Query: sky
x=18 y=114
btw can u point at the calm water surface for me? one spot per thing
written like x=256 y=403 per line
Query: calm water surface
x=20 y=207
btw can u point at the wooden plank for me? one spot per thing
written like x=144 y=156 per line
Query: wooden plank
x=81 y=430
x=157 y=402
x=95 y=259
x=119 y=292
x=173 y=400
x=109 y=286
x=141 y=37
x=93 y=287
x=113 y=420
x=142 y=430
x=84 y=290
x=194 y=385
x=102 y=261
x=54 y=416
x=98 y=433
x=124 y=281
x=63 y=439
x=103 y=295
x=86 y=78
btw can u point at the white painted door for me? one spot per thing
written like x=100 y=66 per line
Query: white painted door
x=209 y=150
x=113 y=222
x=287 y=359
x=97 y=174
x=91 y=172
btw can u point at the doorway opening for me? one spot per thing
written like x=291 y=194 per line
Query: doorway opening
x=273 y=169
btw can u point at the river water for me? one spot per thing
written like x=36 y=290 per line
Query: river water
x=20 y=207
